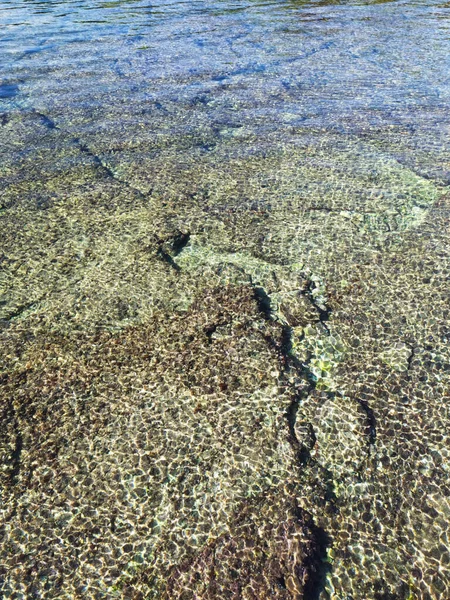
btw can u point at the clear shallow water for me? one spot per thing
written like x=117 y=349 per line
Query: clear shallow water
x=224 y=311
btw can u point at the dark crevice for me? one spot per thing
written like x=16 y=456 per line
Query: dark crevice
x=330 y=490
x=305 y=450
x=16 y=455
x=263 y=300
x=8 y=90
x=210 y=331
x=50 y=124
x=170 y=248
x=302 y=449
x=317 y=565
x=167 y=258
x=105 y=169
x=95 y=158
x=19 y=311
x=370 y=420
x=410 y=359
x=324 y=313
x=102 y=167
x=4 y=119
x=291 y=416
x=290 y=361
x=180 y=241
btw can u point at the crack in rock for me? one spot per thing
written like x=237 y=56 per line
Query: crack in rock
x=170 y=246
x=50 y=124
x=16 y=455
x=18 y=312
x=315 y=291
x=371 y=423
x=303 y=447
x=410 y=359
x=309 y=351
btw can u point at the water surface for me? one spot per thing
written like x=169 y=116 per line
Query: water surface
x=224 y=319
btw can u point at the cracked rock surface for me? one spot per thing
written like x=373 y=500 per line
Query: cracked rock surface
x=224 y=301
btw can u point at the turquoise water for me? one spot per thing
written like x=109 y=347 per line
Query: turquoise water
x=224 y=299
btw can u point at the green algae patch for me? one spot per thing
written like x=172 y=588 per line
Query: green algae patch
x=321 y=351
